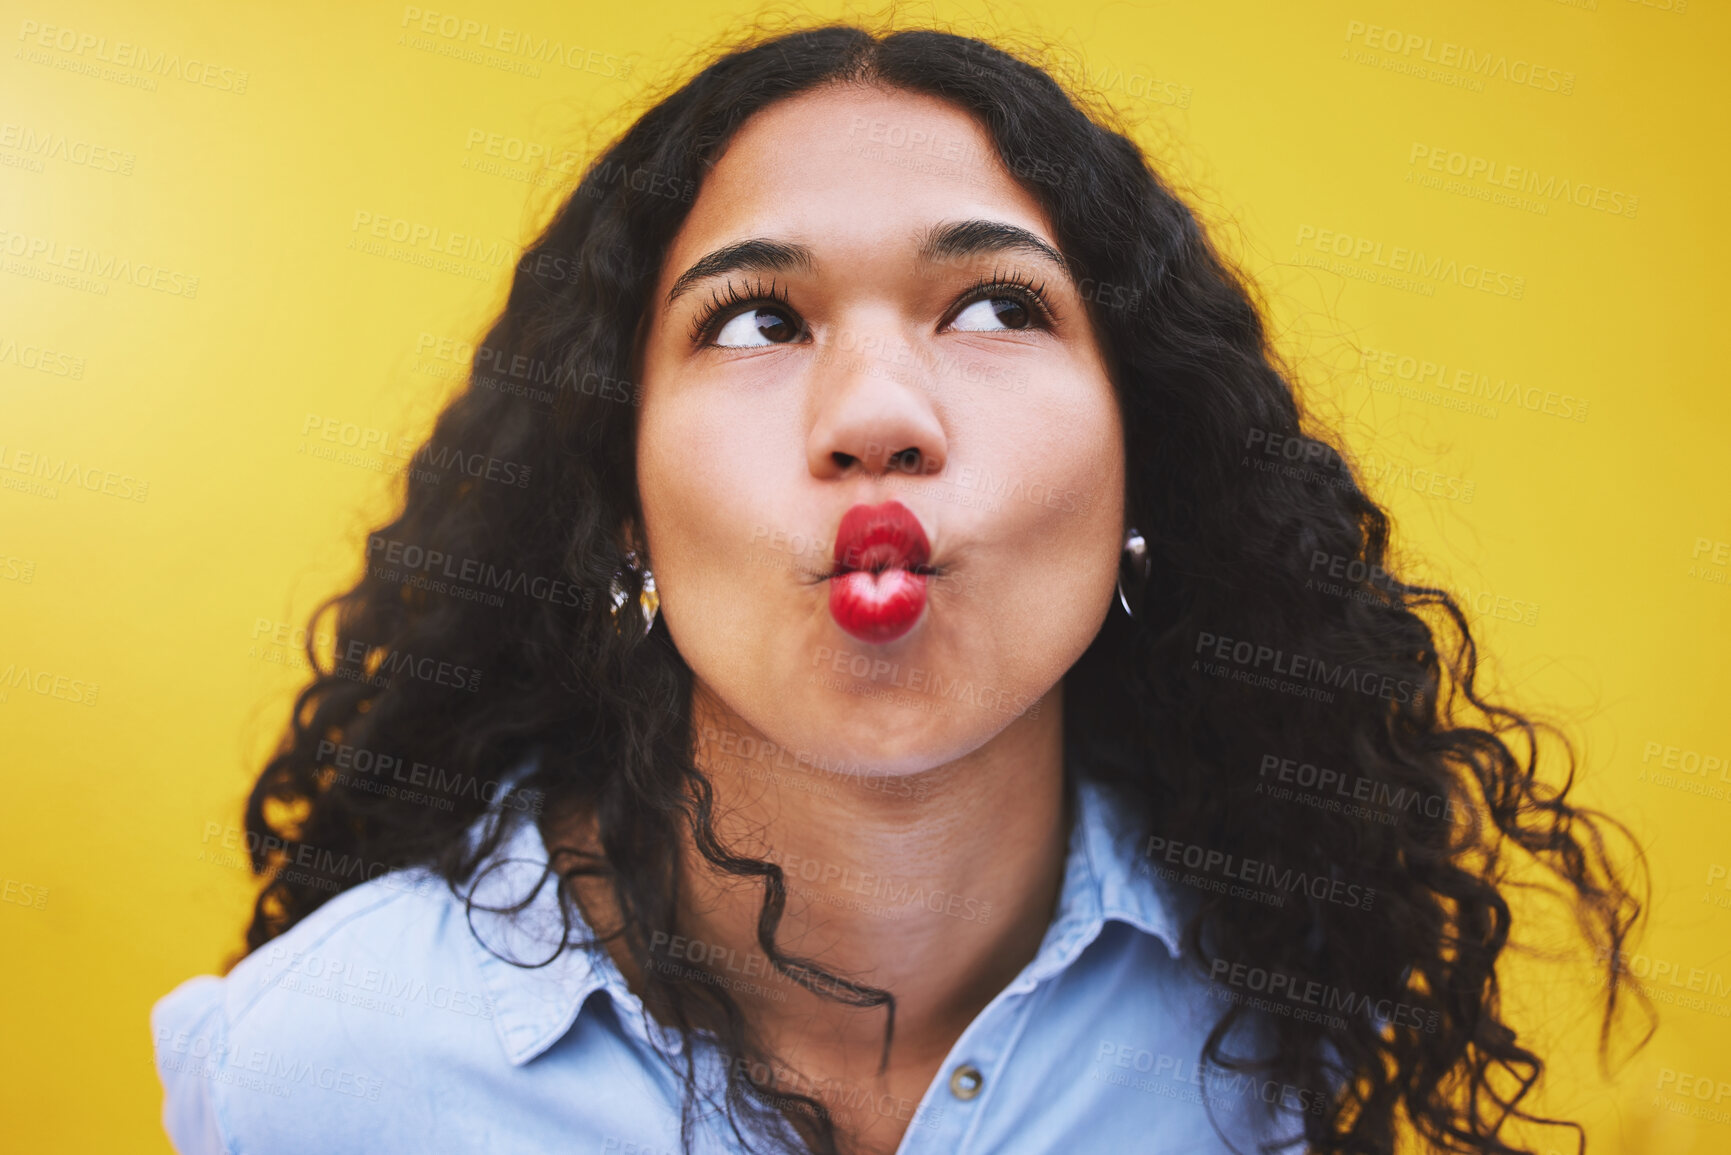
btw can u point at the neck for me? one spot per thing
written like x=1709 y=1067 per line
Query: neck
x=936 y=886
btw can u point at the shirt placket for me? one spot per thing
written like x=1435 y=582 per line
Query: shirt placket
x=967 y=1086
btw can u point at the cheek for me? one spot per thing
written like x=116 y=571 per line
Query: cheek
x=1061 y=469
x=1050 y=483
x=1076 y=500
x=690 y=489
x=715 y=517
x=1067 y=532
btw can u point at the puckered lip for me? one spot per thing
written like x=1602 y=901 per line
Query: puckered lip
x=875 y=538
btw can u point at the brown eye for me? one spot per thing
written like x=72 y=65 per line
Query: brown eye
x=991 y=313
x=757 y=327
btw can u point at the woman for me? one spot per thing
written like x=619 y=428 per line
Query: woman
x=930 y=689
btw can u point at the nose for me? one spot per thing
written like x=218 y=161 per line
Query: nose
x=875 y=415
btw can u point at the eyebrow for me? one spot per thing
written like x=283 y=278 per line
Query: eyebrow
x=941 y=243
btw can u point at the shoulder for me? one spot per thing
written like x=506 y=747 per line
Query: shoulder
x=303 y=1032
x=401 y=1014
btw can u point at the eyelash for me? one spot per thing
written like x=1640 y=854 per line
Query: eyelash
x=1011 y=284
x=1016 y=287
x=709 y=320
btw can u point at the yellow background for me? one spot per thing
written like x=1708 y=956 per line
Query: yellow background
x=1269 y=115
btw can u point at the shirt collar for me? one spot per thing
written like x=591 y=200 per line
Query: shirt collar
x=515 y=913
x=1105 y=879
x=537 y=985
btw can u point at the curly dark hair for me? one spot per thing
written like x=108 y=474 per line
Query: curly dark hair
x=1270 y=633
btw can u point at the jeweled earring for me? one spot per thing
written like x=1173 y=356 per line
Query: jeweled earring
x=1136 y=556
x=649 y=601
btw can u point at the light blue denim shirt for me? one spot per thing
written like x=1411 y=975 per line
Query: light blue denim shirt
x=381 y=1024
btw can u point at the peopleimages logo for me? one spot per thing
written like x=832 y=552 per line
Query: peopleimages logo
x=1483 y=64
x=1401 y=259
x=337 y=976
x=898 y=895
x=1254 y=656
x=1188 y=1081
x=518 y=46
x=442 y=783
x=48 y=684
x=921 y=681
x=48 y=145
x=408 y=558
x=53 y=472
x=138 y=57
x=1343 y=787
x=41 y=359
x=88 y=264
x=1259 y=873
x=1328 y=998
x=1500 y=175
x=1382 y=365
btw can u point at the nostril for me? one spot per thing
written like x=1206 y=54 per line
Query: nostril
x=843 y=460
x=908 y=460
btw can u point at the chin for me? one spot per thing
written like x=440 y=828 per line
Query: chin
x=905 y=734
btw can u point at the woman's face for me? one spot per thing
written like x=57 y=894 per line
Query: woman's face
x=882 y=375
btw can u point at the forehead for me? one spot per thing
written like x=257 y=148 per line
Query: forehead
x=855 y=172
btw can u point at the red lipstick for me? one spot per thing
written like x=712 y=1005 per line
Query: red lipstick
x=878 y=588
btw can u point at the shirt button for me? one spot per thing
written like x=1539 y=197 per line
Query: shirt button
x=966 y=1081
